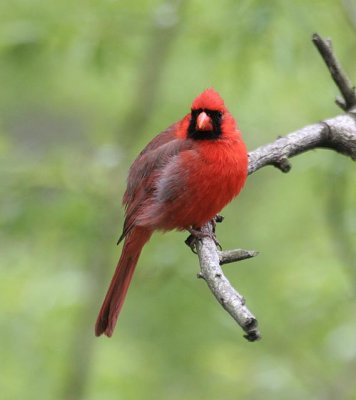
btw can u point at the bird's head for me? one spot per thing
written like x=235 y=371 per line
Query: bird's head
x=209 y=117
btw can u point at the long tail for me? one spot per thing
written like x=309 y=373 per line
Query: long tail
x=120 y=282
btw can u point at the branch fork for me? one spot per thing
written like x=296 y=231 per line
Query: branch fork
x=227 y=296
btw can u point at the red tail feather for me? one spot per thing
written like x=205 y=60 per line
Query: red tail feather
x=120 y=282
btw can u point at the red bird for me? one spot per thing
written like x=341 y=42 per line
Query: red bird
x=181 y=180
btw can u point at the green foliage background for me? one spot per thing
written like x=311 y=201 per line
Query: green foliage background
x=84 y=85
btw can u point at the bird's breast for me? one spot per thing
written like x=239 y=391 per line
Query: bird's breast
x=215 y=173
x=217 y=178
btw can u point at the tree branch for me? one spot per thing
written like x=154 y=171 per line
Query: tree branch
x=226 y=295
x=338 y=134
x=348 y=102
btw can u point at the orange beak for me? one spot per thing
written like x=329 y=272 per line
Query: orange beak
x=204 y=122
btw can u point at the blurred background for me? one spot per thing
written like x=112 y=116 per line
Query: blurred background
x=84 y=86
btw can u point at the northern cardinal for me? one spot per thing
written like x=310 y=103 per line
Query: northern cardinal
x=181 y=180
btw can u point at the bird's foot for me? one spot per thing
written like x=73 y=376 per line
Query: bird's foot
x=196 y=235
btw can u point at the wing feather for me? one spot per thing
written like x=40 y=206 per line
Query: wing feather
x=145 y=172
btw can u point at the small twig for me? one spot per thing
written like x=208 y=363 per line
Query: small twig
x=348 y=92
x=230 y=256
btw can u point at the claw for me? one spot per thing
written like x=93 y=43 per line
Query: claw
x=191 y=242
x=193 y=238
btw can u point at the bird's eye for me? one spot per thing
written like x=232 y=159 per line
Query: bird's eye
x=218 y=115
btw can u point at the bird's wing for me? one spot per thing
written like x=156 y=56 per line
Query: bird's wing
x=145 y=163
x=144 y=172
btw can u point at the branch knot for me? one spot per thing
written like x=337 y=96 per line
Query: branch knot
x=283 y=164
